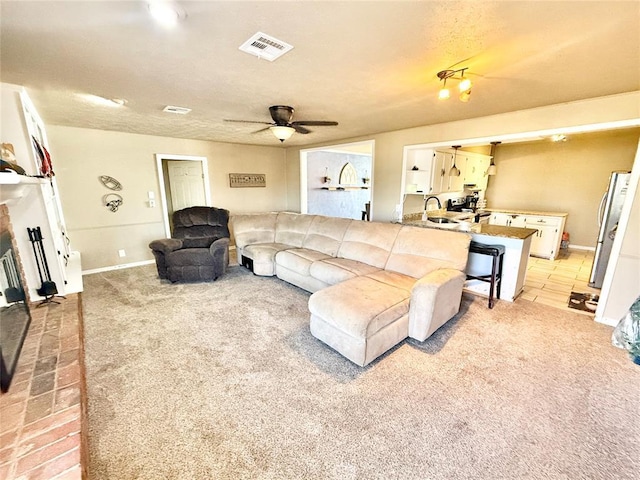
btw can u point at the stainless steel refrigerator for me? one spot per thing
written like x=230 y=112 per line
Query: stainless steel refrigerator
x=608 y=217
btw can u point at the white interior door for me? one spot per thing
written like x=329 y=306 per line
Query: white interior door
x=186 y=182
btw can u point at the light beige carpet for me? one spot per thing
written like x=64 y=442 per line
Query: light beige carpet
x=224 y=381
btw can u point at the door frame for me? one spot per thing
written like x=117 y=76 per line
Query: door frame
x=160 y=159
x=304 y=205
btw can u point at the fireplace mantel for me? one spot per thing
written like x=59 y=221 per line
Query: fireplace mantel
x=14 y=187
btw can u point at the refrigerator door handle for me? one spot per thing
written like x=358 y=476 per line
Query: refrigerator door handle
x=601 y=209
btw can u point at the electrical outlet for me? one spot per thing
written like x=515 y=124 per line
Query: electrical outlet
x=122 y=253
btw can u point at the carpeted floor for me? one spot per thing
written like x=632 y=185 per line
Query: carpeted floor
x=224 y=381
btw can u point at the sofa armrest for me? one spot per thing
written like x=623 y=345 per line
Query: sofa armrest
x=166 y=245
x=435 y=298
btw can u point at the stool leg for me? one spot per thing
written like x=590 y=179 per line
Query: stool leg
x=500 y=276
x=494 y=270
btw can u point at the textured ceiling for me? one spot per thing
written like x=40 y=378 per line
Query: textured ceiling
x=371 y=66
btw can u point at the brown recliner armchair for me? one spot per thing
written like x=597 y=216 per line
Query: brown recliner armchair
x=199 y=247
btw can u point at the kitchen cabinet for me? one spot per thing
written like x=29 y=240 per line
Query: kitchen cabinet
x=546 y=242
x=549 y=227
x=507 y=219
x=475 y=169
x=442 y=182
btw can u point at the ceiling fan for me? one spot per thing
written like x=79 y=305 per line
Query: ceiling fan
x=282 y=126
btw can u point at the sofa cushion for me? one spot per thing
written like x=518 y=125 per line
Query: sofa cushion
x=291 y=228
x=253 y=228
x=418 y=251
x=299 y=260
x=325 y=234
x=263 y=255
x=369 y=242
x=361 y=306
x=398 y=280
x=335 y=270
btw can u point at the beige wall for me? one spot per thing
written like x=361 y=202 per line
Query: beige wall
x=389 y=145
x=80 y=156
x=566 y=177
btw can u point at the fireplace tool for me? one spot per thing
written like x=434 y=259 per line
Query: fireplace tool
x=48 y=288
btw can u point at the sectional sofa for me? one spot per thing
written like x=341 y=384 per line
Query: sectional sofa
x=373 y=284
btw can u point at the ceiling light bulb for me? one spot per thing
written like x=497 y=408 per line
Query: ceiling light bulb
x=444 y=93
x=492 y=170
x=282 y=133
x=464 y=96
x=165 y=13
x=464 y=85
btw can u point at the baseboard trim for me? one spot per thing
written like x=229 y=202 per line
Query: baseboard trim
x=581 y=247
x=117 y=267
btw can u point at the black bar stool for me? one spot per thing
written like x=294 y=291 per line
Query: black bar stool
x=495 y=277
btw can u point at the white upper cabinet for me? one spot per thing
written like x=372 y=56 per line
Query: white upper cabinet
x=475 y=171
x=417 y=170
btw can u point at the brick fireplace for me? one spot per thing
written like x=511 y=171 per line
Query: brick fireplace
x=42 y=427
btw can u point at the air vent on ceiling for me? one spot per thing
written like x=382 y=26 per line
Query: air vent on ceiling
x=179 y=110
x=265 y=46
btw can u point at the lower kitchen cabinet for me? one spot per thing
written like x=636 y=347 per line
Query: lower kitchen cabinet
x=546 y=241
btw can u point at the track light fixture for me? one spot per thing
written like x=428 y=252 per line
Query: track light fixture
x=464 y=85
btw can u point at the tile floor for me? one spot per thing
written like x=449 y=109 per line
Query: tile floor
x=552 y=281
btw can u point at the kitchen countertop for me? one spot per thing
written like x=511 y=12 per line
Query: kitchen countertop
x=481 y=229
x=526 y=212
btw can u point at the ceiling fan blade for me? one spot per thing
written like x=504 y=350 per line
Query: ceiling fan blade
x=261 y=130
x=316 y=123
x=300 y=129
x=246 y=121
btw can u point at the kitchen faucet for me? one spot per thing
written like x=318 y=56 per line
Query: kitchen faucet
x=426 y=200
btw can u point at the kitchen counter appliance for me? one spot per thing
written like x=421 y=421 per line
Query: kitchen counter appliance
x=468 y=204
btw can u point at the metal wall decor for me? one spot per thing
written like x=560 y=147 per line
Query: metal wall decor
x=110 y=182
x=348 y=175
x=239 y=180
x=112 y=201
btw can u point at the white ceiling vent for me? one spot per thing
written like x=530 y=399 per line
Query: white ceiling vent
x=179 y=110
x=265 y=46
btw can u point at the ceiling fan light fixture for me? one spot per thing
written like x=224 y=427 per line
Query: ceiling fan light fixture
x=282 y=132
x=166 y=13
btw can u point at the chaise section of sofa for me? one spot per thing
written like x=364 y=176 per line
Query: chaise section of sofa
x=373 y=284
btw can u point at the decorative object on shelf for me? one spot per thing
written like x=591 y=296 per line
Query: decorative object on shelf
x=454 y=171
x=8 y=160
x=348 y=175
x=415 y=168
x=240 y=180
x=492 y=170
x=326 y=178
x=464 y=87
x=110 y=182
x=366 y=179
x=112 y=201
x=44 y=158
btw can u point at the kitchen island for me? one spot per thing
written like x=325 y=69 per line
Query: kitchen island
x=516 y=241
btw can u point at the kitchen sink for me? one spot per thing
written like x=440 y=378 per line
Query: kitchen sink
x=440 y=220
x=443 y=222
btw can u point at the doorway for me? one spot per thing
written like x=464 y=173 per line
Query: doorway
x=183 y=183
x=337 y=180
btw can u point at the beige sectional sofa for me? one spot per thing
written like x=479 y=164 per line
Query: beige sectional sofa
x=373 y=284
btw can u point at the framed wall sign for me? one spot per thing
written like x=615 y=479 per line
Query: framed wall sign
x=237 y=180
